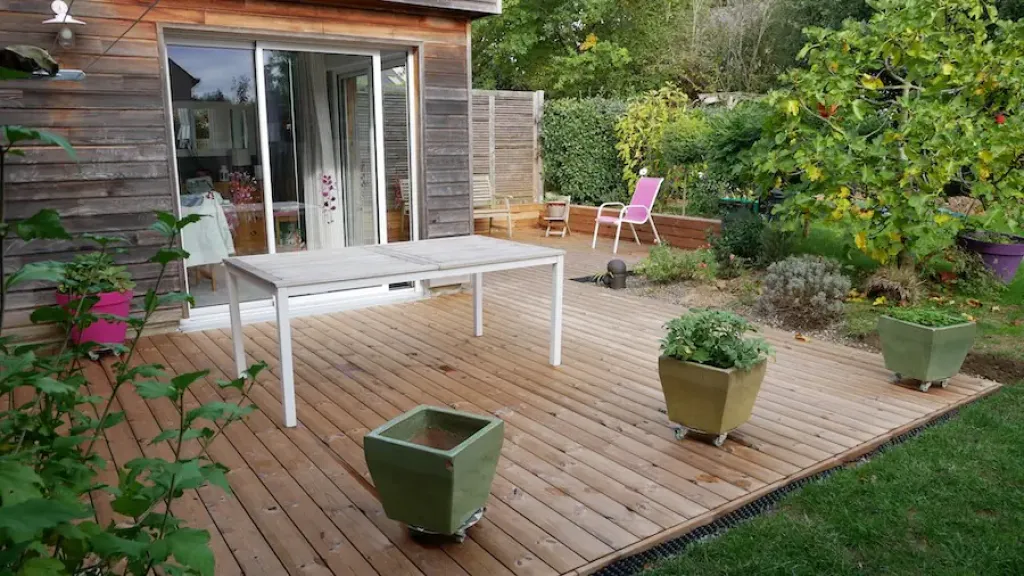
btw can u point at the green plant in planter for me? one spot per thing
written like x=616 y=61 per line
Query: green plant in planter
x=925 y=345
x=94 y=273
x=711 y=372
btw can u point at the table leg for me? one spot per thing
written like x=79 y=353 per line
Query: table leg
x=284 y=338
x=234 y=307
x=478 y=304
x=558 y=277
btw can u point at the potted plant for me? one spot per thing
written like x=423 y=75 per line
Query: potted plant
x=710 y=372
x=1002 y=253
x=433 y=468
x=94 y=278
x=925 y=345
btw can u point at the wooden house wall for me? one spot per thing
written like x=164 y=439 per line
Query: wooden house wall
x=117 y=121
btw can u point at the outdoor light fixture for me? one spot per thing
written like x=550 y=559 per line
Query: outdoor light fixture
x=65 y=36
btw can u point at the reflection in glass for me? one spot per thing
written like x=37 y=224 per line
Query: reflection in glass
x=320 y=134
x=217 y=153
x=396 y=147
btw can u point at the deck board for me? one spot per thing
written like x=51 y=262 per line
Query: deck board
x=590 y=469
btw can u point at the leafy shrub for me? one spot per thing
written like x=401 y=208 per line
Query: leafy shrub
x=741 y=237
x=804 y=291
x=93 y=273
x=683 y=139
x=776 y=244
x=747 y=239
x=896 y=283
x=730 y=138
x=665 y=264
x=704 y=192
x=641 y=131
x=714 y=338
x=580 y=159
x=50 y=462
x=927 y=317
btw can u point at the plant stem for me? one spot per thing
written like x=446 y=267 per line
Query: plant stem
x=174 y=478
x=122 y=366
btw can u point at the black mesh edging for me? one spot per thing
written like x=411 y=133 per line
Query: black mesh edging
x=639 y=562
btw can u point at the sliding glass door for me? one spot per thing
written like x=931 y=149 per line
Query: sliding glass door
x=291 y=148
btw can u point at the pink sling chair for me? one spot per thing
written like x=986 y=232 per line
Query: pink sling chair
x=639 y=211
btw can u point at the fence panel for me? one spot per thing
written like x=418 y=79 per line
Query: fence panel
x=506 y=143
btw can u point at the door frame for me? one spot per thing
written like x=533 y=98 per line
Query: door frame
x=216 y=316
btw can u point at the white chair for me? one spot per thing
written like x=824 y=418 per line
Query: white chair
x=639 y=211
x=485 y=205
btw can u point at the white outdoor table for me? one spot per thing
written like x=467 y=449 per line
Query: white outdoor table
x=314 y=272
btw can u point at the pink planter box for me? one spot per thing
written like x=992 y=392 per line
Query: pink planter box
x=103 y=331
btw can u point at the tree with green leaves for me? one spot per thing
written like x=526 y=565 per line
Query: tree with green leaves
x=580 y=48
x=891 y=118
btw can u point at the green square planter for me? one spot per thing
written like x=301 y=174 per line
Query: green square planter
x=433 y=467
x=922 y=352
x=709 y=399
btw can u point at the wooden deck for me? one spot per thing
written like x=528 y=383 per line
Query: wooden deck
x=590 y=469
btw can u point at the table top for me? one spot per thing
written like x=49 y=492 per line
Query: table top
x=291 y=269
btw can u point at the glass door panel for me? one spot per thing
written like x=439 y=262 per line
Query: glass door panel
x=321 y=134
x=395 y=88
x=217 y=152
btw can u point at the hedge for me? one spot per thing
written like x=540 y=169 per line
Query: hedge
x=580 y=160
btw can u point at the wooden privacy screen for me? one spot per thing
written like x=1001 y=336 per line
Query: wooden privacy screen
x=506 y=143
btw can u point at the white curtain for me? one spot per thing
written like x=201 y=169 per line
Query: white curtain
x=324 y=228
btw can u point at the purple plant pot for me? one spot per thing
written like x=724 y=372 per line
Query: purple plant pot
x=103 y=331
x=1002 y=259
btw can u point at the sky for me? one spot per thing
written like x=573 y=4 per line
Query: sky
x=216 y=68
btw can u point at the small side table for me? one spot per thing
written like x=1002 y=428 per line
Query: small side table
x=557 y=210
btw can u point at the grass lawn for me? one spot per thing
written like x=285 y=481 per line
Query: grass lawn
x=948 y=502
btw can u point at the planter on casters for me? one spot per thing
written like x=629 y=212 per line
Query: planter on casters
x=1002 y=258
x=102 y=332
x=931 y=355
x=433 y=468
x=706 y=399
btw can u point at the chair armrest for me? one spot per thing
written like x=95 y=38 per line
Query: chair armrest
x=601 y=208
x=647 y=212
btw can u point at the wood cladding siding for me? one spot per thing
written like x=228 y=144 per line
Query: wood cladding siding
x=117 y=119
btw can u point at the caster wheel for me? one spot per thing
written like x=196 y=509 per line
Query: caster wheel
x=944 y=383
x=681 y=433
x=925 y=386
x=896 y=378
x=719 y=440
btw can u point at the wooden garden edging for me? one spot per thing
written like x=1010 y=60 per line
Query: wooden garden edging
x=680 y=231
